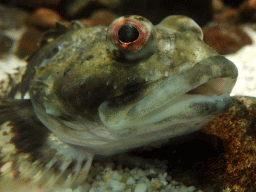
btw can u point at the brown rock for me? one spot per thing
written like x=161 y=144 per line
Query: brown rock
x=230 y=16
x=43 y=18
x=248 y=5
x=217 y=5
x=247 y=10
x=29 y=42
x=237 y=130
x=77 y=6
x=225 y=38
x=100 y=17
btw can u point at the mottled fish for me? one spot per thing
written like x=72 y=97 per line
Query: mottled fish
x=103 y=90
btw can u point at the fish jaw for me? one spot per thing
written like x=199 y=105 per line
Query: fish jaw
x=100 y=110
x=168 y=111
x=211 y=83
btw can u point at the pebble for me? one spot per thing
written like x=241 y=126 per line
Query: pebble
x=174 y=183
x=100 y=17
x=191 y=189
x=116 y=176
x=115 y=186
x=225 y=38
x=130 y=181
x=43 y=18
x=141 y=188
x=29 y=42
x=107 y=177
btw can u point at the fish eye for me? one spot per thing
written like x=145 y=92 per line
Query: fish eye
x=133 y=36
x=127 y=33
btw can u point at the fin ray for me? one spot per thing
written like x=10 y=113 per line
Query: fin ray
x=34 y=153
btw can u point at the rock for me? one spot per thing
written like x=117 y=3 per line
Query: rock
x=100 y=17
x=225 y=38
x=43 y=18
x=73 y=8
x=230 y=16
x=217 y=5
x=245 y=12
x=141 y=188
x=248 y=11
x=29 y=42
x=237 y=130
x=224 y=34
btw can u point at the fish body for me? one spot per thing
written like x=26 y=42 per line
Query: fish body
x=103 y=90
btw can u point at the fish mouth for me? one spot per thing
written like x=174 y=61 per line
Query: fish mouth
x=218 y=86
x=202 y=90
x=181 y=104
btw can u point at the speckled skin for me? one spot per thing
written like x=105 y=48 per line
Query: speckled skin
x=82 y=80
x=97 y=97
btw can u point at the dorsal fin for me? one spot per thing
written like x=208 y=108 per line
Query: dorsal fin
x=77 y=24
x=61 y=25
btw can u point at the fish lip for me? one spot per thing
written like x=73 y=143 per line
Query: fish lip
x=217 y=86
x=188 y=85
x=220 y=85
x=208 y=72
x=221 y=82
x=223 y=79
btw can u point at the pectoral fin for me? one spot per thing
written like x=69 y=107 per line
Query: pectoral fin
x=31 y=155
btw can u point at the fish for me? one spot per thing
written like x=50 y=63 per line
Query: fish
x=98 y=91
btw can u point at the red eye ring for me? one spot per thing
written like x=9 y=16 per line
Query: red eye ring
x=134 y=24
x=133 y=35
x=133 y=45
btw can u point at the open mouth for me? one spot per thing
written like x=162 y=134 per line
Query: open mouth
x=201 y=90
x=216 y=86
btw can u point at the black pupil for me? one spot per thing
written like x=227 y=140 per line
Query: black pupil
x=127 y=33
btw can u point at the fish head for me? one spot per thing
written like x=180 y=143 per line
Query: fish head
x=114 y=88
